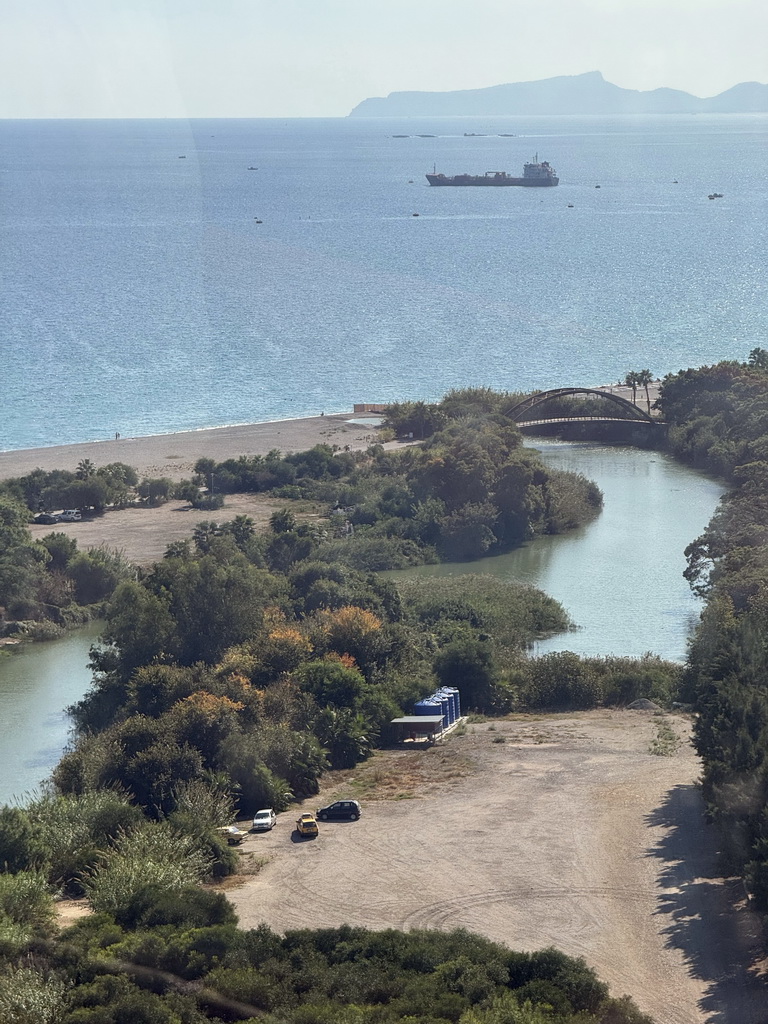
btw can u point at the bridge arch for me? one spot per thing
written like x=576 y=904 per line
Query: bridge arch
x=518 y=411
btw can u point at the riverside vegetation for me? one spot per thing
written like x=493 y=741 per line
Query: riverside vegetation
x=240 y=668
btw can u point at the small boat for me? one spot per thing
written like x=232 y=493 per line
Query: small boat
x=253 y=168
x=715 y=195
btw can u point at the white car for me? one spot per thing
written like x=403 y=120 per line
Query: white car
x=264 y=820
x=70 y=515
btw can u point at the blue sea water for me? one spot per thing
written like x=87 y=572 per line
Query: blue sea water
x=139 y=293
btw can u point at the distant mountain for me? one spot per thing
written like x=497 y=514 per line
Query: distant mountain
x=568 y=94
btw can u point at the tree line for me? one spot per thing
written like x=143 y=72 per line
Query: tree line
x=718 y=421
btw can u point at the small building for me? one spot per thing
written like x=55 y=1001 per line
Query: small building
x=417 y=727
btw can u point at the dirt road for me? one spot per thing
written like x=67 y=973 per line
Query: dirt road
x=561 y=831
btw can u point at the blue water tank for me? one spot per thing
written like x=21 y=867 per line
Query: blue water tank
x=455 y=701
x=437 y=709
x=424 y=707
x=447 y=705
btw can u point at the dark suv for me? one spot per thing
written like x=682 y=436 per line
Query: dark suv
x=342 y=809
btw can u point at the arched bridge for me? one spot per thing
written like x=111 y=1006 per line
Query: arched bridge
x=520 y=412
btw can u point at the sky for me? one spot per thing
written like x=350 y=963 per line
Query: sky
x=319 y=58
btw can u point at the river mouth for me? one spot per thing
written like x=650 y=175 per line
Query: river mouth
x=620 y=577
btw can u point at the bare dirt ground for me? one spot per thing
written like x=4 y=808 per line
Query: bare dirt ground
x=143 y=534
x=568 y=833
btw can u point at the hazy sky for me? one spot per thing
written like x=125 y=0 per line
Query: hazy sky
x=293 y=58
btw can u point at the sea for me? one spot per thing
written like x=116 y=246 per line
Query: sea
x=161 y=275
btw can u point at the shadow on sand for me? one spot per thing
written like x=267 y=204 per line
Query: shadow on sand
x=708 y=917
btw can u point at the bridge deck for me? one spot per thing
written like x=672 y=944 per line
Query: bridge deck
x=586 y=419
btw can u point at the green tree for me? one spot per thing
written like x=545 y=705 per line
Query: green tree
x=61 y=548
x=643 y=378
x=758 y=359
x=140 y=625
x=282 y=521
x=631 y=381
x=19 y=848
x=28 y=996
x=330 y=682
x=467 y=664
x=156 y=490
x=96 y=573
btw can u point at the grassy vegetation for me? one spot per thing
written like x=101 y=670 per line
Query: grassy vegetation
x=666 y=742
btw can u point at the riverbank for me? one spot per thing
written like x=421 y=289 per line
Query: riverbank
x=174 y=455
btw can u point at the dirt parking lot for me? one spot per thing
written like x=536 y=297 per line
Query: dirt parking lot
x=557 y=830
x=143 y=534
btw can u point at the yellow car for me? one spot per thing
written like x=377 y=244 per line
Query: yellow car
x=233 y=834
x=306 y=825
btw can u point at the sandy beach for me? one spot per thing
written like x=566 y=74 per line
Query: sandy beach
x=174 y=455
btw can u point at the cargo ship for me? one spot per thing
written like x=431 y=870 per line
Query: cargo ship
x=535 y=174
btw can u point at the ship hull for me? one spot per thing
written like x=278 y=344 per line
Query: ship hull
x=468 y=180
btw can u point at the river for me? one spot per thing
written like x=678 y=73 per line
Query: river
x=620 y=577
x=36 y=684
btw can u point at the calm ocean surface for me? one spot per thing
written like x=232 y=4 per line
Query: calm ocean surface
x=139 y=293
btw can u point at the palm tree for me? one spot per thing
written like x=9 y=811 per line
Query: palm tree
x=631 y=381
x=644 y=378
x=85 y=469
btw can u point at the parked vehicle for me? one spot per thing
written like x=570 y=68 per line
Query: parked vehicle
x=46 y=518
x=306 y=825
x=341 y=810
x=70 y=515
x=264 y=820
x=233 y=834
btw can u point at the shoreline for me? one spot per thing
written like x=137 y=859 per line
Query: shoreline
x=173 y=455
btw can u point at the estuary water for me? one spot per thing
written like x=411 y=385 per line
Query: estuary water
x=37 y=683
x=620 y=577
x=168 y=275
